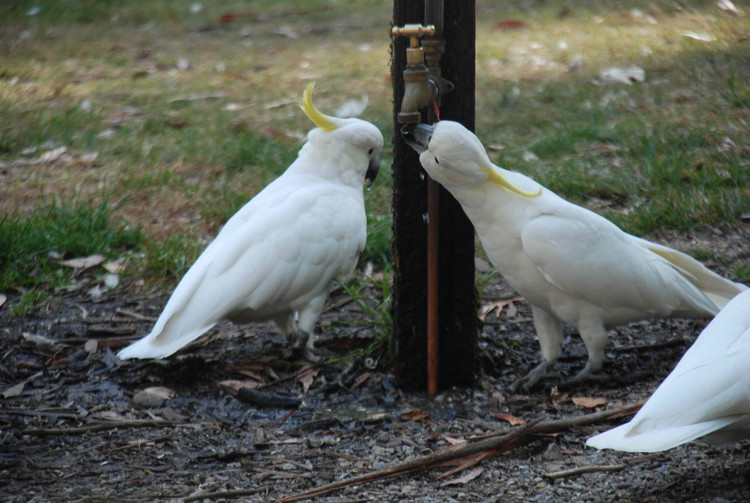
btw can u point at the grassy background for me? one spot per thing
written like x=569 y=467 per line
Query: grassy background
x=118 y=79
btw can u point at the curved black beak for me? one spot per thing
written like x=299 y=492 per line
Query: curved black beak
x=372 y=171
x=417 y=136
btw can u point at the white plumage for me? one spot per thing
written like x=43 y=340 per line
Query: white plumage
x=707 y=393
x=276 y=258
x=571 y=264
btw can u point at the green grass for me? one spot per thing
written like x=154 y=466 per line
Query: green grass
x=741 y=272
x=32 y=245
x=670 y=152
x=376 y=309
x=26 y=301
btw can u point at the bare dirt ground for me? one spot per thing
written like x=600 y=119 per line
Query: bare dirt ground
x=58 y=443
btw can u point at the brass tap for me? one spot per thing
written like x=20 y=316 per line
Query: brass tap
x=419 y=89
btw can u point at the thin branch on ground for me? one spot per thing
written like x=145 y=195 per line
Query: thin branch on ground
x=224 y=494
x=111 y=425
x=487 y=447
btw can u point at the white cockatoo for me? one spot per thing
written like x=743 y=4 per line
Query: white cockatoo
x=707 y=393
x=570 y=264
x=276 y=258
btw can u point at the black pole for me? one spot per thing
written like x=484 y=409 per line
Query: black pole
x=458 y=299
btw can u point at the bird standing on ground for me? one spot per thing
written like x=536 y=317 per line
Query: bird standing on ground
x=276 y=258
x=707 y=393
x=570 y=264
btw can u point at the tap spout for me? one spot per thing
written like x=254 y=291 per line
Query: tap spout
x=419 y=91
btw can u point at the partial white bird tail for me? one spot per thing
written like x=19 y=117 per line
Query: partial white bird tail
x=626 y=437
x=719 y=290
x=159 y=344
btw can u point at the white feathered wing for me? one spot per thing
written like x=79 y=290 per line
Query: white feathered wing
x=278 y=253
x=707 y=393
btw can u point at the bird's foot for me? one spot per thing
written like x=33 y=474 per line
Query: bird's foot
x=300 y=347
x=297 y=345
x=591 y=373
x=310 y=356
x=534 y=376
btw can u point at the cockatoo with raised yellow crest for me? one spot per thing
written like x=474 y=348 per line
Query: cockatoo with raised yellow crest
x=569 y=263
x=277 y=257
x=707 y=393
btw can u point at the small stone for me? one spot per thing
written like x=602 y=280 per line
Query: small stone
x=553 y=453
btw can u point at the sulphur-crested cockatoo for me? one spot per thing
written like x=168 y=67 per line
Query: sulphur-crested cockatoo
x=570 y=264
x=276 y=258
x=707 y=393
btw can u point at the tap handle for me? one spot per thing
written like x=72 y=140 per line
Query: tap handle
x=414 y=32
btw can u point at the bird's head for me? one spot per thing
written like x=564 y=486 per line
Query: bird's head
x=350 y=137
x=454 y=157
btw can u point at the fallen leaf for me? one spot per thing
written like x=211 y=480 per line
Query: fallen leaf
x=162 y=392
x=278 y=104
x=107 y=415
x=84 y=262
x=416 y=415
x=453 y=440
x=470 y=475
x=512 y=420
x=728 y=6
x=588 y=402
x=39 y=340
x=287 y=31
x=152 y=397
x=622 y=75
x=360 y=380
x=231 y=107
x=176 y=124
x=88 y=157
x=510 y=24
x=497 y=307
x=197 y=97
x=15 y=390
x=272 y=374
x=701 y=37
x=250 y=373
x=234 y=385
x=114 y=266
x=230 y=16
x=598 y=148
x=307 y=377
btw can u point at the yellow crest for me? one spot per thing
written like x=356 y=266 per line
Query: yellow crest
x=321 y=120
x=495 y=177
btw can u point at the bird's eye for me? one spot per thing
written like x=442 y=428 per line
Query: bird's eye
x=436 y=161
x=369 y=152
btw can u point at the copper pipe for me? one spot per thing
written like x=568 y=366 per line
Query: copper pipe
x=433 y=15
x=433 y=255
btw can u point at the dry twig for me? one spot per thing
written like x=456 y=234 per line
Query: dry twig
x=99 y=427
x=493 y=445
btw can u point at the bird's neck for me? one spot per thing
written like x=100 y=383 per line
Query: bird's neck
x=332 y=162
